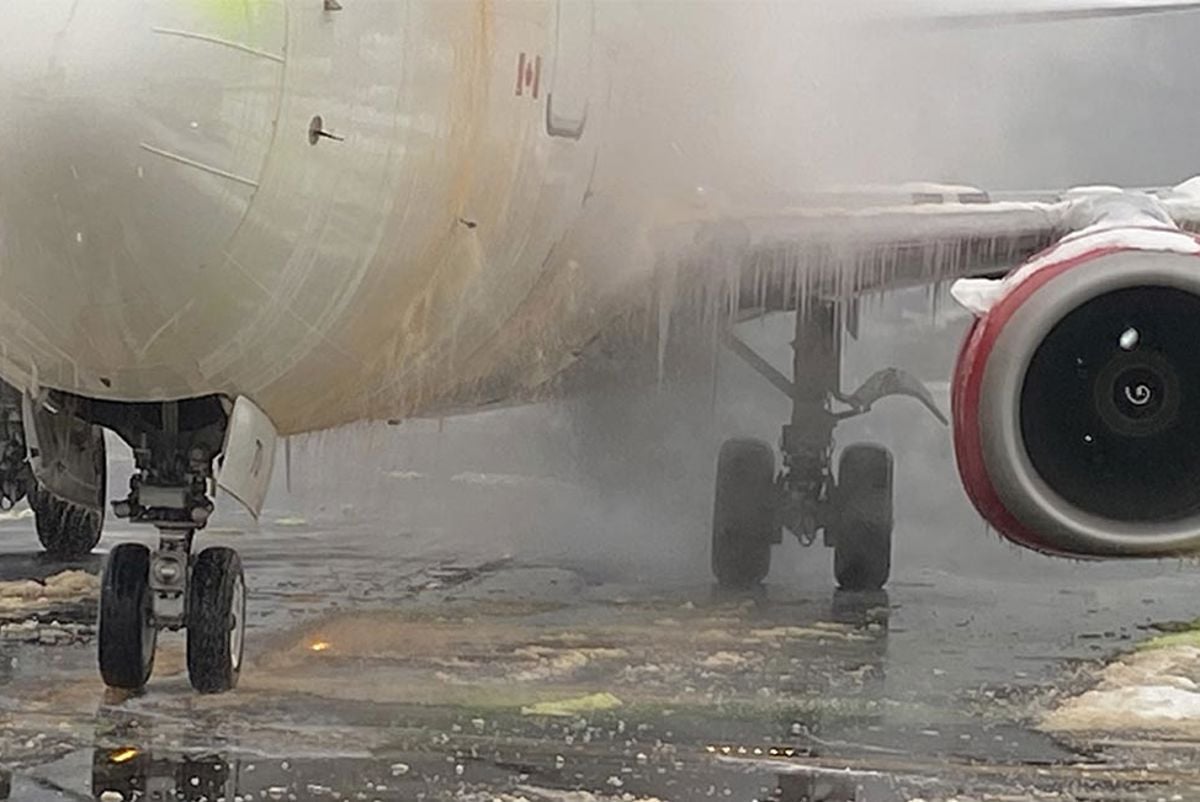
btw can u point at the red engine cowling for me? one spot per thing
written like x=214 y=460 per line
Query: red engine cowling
x=1076 y=400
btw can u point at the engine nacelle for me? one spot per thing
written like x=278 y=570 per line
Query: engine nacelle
x=1077 y=399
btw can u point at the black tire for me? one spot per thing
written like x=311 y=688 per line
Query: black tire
x=217 y=620
x=68 y=530
x=862 y=532
x=744 y=514
x=127 y=634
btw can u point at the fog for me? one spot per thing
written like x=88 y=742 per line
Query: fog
x=807 y=94
x=772 y=99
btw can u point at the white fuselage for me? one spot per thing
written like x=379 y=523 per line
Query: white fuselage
x=171 y=226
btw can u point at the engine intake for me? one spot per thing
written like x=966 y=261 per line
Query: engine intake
x=1077 y=406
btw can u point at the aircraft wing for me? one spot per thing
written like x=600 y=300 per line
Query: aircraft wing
x=772 y=261
x=986 y=13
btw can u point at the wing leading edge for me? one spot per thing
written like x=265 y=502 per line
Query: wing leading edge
x=991 y=13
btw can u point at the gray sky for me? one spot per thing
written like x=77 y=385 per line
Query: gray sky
x=774 y=97
x=1043 y=106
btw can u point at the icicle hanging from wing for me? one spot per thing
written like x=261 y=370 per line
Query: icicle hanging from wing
x=764 y=262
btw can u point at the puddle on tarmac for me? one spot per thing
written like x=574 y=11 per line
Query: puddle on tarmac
x=510 y=655
x=511 y=772
x=128 y=773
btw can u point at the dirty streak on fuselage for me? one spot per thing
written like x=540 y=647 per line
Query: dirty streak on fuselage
x=169 y=228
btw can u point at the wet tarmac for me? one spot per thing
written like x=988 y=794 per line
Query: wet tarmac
x=445 y=612
x=389 y=667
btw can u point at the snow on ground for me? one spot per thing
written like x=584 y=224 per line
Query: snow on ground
x=29 y=596
x=1156 y=689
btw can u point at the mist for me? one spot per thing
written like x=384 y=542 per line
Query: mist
x=779 y=97
x=773 y=99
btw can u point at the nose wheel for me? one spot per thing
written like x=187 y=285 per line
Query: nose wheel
x=215 y=620
x=217 y=623
x=127 y=632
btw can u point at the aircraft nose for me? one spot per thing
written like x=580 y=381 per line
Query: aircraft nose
x=133 y=136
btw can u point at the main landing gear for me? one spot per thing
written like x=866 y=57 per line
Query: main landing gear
x=853 y=509
x=58 y=463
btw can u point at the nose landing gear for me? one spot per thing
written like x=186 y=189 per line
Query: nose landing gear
x=853 y=509
x=215 y=598
x=143 y=590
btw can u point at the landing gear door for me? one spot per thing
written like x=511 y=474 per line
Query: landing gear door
x=66 y=453
x=249 y=455
x=570 y=85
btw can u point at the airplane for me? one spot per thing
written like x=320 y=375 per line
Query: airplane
x=225 y=223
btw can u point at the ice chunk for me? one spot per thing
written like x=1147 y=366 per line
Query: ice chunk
x=977 y=295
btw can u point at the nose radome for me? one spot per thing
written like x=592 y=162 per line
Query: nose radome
x=133 y=134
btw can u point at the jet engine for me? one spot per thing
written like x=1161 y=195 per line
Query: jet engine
x=1076 y=402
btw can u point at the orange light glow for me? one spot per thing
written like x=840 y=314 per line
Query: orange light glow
x=123 y=755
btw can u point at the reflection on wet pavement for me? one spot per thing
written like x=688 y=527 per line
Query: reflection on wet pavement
x=810 y=788
x=133 y=774
x=473 y=675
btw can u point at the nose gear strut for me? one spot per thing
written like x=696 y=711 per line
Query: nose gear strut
x=174 y=444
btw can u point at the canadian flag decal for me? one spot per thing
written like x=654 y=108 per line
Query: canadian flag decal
x=529 y=75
